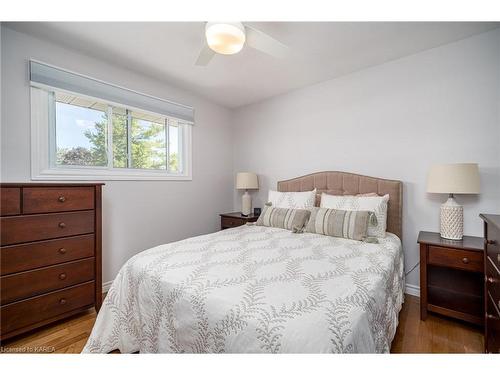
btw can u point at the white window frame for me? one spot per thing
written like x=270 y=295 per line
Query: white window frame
x=43 y=166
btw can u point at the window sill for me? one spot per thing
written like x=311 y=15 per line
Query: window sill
x=107 y=175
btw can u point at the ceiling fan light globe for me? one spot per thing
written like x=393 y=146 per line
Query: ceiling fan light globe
x=225 y=38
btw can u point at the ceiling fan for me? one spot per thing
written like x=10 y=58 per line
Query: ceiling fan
x=228 y=38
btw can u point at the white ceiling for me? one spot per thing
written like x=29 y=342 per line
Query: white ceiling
x=319 y=51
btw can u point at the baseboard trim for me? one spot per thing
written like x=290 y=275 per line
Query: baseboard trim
x=412 y=290
x=106 y=286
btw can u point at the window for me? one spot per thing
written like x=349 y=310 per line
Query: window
x=90 y=138
x=84 y=128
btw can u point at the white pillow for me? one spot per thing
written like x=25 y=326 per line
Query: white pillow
x=292 y=199
x=378 y=205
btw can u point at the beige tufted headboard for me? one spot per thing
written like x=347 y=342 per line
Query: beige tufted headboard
x=342 y=183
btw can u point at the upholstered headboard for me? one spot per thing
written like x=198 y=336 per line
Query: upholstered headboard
x=342 y=183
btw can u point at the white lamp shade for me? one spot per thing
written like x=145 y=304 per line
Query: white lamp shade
x=247 y=180
x=460 y=178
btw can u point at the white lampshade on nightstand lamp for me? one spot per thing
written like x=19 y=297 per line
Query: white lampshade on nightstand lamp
x=246 y=181
x=453 y=179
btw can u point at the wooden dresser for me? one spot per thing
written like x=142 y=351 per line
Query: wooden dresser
x=50 y=253
x=492 y=282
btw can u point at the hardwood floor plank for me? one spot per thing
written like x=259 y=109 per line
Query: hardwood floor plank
x=435 y=335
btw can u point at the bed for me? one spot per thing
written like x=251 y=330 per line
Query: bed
x=254 y=289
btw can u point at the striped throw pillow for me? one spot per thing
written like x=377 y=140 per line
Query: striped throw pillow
x=338 y=223
x=287 y=218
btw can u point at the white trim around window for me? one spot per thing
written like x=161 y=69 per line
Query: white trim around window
x=43 y=149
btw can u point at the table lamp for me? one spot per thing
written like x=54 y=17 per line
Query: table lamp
x=462 y=178
x=246 y=181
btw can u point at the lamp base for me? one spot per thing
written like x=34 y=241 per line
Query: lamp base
x=246 y=204
x=452 y=220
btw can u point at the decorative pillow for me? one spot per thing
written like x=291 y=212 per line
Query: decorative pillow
x=286 y=218
x=377 y=205
x=339 y=223
x=367 y=195
x=292 y=199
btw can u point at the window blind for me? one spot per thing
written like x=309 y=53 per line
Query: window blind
x=43 y=75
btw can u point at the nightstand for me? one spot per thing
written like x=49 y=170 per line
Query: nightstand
x=451 y=277
x=234 y=219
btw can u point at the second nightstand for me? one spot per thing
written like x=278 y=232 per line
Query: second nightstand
x=234 y=219
x=451 y=277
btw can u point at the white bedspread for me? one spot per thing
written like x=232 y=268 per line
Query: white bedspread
x=255 y=289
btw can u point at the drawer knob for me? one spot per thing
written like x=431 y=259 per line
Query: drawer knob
x=62 y=225
x=491 y=242
x=62 y=199
x=62 y=250
x=62 y=276
x=491 y=317
x=465 y=260
x=489 y=279
x=62 y=301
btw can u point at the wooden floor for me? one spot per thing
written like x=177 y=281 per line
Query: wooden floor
x=435 y=335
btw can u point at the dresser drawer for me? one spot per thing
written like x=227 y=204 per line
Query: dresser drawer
x=456 y=258
x=493 y=325
x=47 y=306
x=493 y=245
x=227 y=222
x=493 y=337
x=493 y=281
x=17 y=258
x=56 y=199
x=17 y=229
x=10 y=201
x=42 y=280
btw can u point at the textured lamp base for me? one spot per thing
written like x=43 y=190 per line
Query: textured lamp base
x=452 y=220
x=246 y=204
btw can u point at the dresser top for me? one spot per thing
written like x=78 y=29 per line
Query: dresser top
x=48 y=184
x=467 y=243
x=491 y=219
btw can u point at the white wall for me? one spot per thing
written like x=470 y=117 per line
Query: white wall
x=136 y=215
x=392 y=121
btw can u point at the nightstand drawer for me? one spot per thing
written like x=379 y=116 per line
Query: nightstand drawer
x=227 y=222
x=455 y=258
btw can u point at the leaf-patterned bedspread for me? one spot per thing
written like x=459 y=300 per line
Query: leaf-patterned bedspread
x=255 y=289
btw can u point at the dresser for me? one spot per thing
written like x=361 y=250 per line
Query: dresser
x=50 y=247
x=452 y=277
x=492 y=282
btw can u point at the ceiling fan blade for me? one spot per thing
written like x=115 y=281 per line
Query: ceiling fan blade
x=263 y=42
x=205 y=56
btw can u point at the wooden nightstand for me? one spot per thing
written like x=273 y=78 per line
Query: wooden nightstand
x=451 y=277
x=234 y=219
